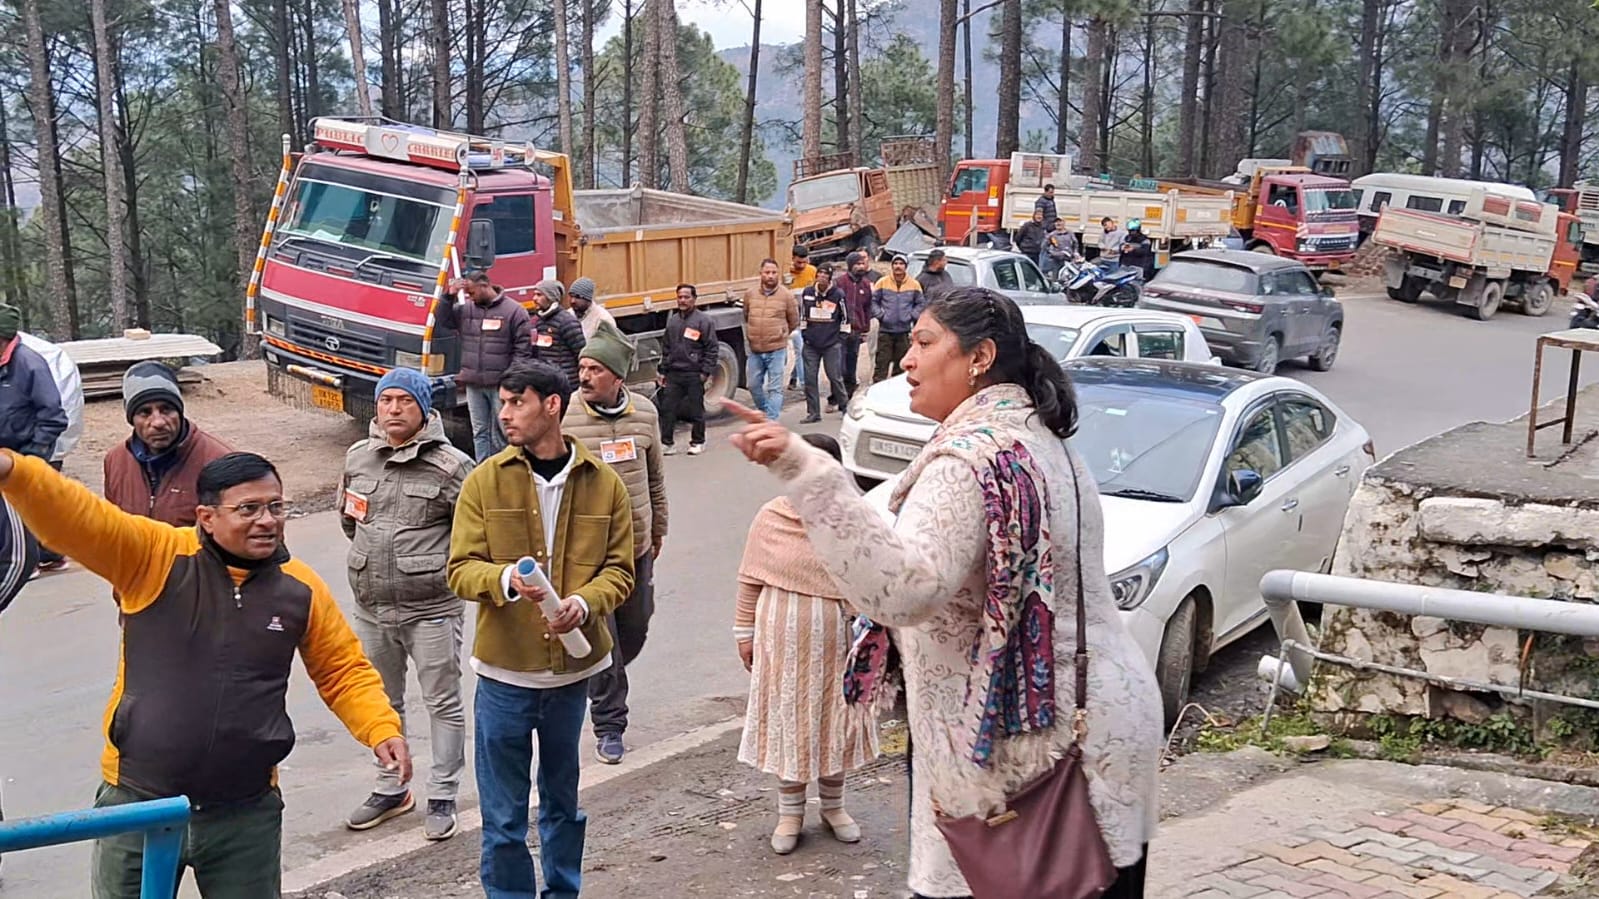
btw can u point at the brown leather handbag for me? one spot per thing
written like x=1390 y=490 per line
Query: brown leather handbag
x=1046 y=842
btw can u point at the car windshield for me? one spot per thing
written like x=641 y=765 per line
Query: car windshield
x=1054 y=338
x=1206 y=275
x=382 y=223
x=1142 y=444
x=960 y=274
x=1340 y=199
x=828 y=190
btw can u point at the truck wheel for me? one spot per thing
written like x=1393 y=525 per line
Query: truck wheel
x=1537 y=300
x=725 y=381
x=1492 y=295
x=458 y=428
x=1174 y=667
x=1408 y=291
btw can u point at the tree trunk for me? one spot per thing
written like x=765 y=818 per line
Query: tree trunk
x=245 y=236
x=57 y=245
x=1460 y=18
x=1188 y=109
x=116 y=204
x=1576 y=114
x=1062 y=119
x=139 y=271
x=671 y=78
x=1208 y=77
x=1230 y=127
x=311 y=59
x=590 y=84
x=944 y=88
x=1147 y=138
x=1093 y=99
x=627 y=92
x=747 y=130
x=477 y=39
x=841 y=105
x=352 y=25
x=1365 y=142
x=966 y=89
x=563 y=79
x=649 y=153
x=857 y=113
x=389 y=49
x=16 y=284
x=811 y=125
x=440 y=32
x=1007 y=139
x=281 y=64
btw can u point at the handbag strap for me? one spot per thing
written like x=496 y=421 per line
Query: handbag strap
x=1080 y=720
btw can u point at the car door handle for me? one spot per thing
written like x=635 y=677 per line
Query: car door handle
x=1341 y=471
x=1290 y=505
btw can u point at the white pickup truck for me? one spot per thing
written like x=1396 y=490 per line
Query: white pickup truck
x=1174 y=221
x=1500 y=249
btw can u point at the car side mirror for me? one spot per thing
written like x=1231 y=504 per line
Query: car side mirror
x=480 y=244
x=1244 y=486
x=1326 y=291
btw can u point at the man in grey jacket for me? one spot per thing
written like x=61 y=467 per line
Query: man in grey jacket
x=400 y=487
x=623 y=430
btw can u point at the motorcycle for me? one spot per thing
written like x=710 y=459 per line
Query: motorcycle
x=1094 y=284
x=1584 y=311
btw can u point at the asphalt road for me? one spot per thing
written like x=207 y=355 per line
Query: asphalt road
x=1405 y=372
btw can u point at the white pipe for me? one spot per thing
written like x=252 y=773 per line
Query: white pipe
x=1284 y=590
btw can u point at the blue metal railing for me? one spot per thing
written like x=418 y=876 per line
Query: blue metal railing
x=162 y=821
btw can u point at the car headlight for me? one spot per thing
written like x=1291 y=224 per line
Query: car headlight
x=1131 y=586
x=857 y=407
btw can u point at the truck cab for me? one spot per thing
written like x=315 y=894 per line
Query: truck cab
x=836 y=212
x=1304 y=216
x=974 y=200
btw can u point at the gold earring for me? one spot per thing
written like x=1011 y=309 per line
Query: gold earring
x=971 y=376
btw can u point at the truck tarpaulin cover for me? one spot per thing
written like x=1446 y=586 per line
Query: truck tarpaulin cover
x=908 y=239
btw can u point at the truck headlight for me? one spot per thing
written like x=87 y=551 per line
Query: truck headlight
x=276 y=327
x=1131 y=586
x=435 y=367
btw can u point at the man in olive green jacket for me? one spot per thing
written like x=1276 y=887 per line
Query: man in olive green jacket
x=548 y=497
x=624 y=431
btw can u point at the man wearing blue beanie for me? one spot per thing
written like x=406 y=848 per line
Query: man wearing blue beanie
x=400 y=486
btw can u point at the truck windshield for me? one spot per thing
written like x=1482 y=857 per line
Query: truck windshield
x=366 y=220
x=828 y=190
x=1340 y=199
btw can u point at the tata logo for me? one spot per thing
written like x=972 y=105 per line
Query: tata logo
x=336 y=324
x=333 y=344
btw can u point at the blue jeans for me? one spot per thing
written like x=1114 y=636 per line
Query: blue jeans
x=483 y=405
x=798 y=345
x=507 y=717
x=766 y=381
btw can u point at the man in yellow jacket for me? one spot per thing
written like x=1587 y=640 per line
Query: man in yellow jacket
x=544 y=496
x=212 y=618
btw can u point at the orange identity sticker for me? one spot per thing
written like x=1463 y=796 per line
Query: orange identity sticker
x=355 y=505
x=492 y=324
x=622 y=449
x=691 y=333
x=544 y=340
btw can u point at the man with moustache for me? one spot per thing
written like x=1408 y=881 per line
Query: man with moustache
x=686 y=366
x=856 y=286
x=547 y=497
x=622 y=428
x=397 y=504
x=155 y=472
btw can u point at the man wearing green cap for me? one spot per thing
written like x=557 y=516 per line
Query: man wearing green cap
x=623 y=430
x=31 y=414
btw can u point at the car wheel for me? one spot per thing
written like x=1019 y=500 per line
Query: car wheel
x=1492 y=296
x=1174 y=667
x=1327 y=353
x=1271 y=355
x=1537 y=300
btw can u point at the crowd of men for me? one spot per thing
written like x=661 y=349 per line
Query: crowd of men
x=567 y=470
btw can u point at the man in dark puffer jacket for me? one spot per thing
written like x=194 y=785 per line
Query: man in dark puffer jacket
x=557 y=334
x=495 y=335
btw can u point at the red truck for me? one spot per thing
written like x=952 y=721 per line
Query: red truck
x=371 y=223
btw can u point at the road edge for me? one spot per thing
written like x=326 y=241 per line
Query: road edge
x=394 y=845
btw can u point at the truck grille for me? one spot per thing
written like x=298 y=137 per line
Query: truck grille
x=349 y=345
x=1330 y=243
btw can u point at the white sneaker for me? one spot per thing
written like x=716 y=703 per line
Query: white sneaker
x=694 y=449
x=669 y=450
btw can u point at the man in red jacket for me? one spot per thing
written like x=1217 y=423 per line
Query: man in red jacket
x=156 y=472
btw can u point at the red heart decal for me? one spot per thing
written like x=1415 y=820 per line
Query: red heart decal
x=391 y=141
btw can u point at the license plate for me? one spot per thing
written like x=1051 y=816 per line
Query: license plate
x=893 y=449
x=1457 y=282
x=329 y=398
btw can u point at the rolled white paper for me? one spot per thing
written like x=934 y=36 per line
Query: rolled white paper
x=527 y=568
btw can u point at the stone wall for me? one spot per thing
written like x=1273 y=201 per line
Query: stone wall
x=1455 y=512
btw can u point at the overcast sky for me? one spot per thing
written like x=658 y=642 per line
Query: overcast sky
x=782 y=22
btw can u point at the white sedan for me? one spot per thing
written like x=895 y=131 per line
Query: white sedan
x=881 y=434
x=1208 y=478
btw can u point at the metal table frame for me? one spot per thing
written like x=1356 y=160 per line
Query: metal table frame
x=1578 y=341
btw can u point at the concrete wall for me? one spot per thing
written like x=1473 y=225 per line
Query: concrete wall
x=1396 y=531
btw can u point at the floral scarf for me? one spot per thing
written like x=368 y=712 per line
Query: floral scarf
x=1013 y=657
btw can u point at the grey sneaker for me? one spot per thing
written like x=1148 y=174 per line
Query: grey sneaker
x=669 y=449
x=440 y=821
x=608 y=749
x=379 y=808
x=694 y=449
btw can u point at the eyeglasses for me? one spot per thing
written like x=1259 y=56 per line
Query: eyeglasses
x=279 y=509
